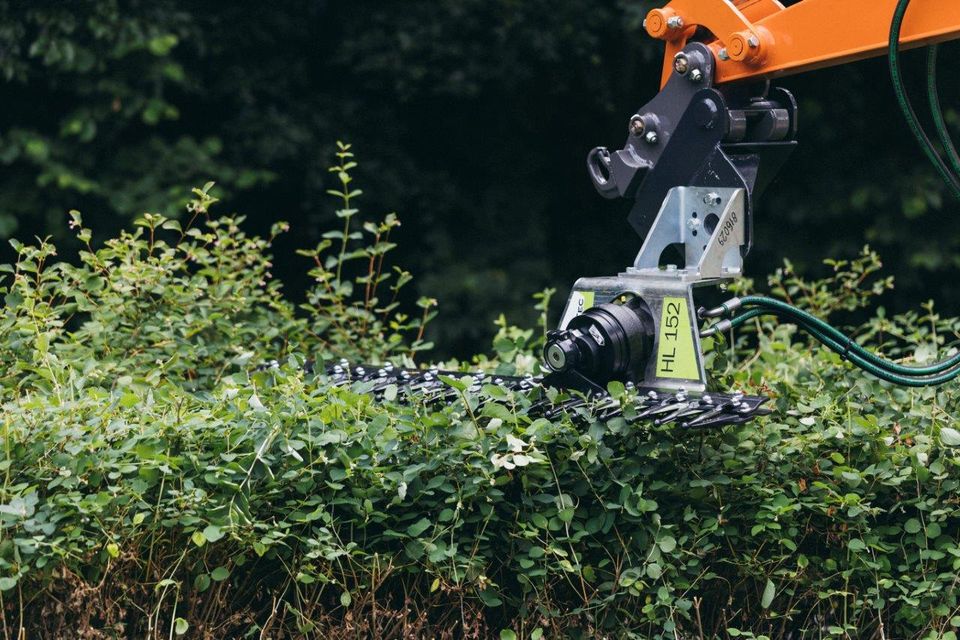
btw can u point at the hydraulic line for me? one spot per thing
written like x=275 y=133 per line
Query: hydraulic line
x=923 y=375
x=899 y=89
x=933 y=97
x=755 y=306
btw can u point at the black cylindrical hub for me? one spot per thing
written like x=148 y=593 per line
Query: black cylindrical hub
x=608 y=342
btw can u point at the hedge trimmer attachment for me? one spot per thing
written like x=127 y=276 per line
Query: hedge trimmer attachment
x=435 y=388
x=696 y=159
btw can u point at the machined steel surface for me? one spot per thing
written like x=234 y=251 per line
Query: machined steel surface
x=709 y=223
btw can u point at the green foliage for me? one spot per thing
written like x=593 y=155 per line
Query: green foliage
x=356 y=330
x=159 y=480
x=116 y=75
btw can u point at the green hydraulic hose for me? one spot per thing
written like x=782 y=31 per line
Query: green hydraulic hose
x=859 y=357
x=815 y=324
x=933 y=97
x=893 y=57
x=882 y=373
x=911 y=376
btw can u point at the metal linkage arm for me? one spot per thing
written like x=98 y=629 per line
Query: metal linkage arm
x=695 y=134
x=762 y=39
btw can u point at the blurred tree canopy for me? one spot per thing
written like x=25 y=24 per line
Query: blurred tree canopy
x=471 y=119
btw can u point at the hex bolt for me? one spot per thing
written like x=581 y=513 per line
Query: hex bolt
x=712 y=198
x=652 y=137
x=693 y=224
x=724 y=54
x=681 y=64
x=753 y=42
x=637 y=126
x=695 y=75
x=676 y=22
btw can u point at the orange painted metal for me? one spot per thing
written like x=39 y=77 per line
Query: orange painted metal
x=764 y=39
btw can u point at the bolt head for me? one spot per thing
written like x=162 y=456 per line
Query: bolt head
x=676 y=22
x=712 y=199
x=724 y=54
x=753 y=42
x=681 y=64
x=693 y=224
x=637 y=126
x=695 y=75
x=652 y=137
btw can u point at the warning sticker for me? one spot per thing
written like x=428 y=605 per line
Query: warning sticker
x=676 y=352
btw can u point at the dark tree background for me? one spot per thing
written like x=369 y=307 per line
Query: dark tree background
x=471 y=119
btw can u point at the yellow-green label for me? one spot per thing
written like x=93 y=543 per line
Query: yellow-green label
x=584 y=301
x=676 y=352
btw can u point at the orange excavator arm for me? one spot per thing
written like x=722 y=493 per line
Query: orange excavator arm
x=762 y=38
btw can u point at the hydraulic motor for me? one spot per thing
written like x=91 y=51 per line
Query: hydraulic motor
x=607 y=342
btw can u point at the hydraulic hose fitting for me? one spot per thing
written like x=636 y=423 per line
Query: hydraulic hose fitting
x=728 y=307
x=610 y=341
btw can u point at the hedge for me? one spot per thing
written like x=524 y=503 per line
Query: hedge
x=172 y=468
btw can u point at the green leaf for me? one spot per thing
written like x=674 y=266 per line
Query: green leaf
x=7 y=583
x=202 y=582
x=768 y=592
x=912 y=526
x=180 y=626
x=346 y=598
x=508 y=634
x=616 y=389
x=212 y=533
x=489 y=597
x=128 y=400
x=949 y=437
x=161 y=45
x=459 y=385
x=220 y=574
x=667 y=544
x=418 y=527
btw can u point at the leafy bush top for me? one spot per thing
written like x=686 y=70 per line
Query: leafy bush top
x=158 y=479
